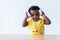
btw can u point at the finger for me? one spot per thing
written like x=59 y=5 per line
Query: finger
x=43 y=13
x=26 y=14
x=29 y=16
x=40 y=13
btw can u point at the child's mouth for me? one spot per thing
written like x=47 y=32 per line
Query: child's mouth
x=35 y=20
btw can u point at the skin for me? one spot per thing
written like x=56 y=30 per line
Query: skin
x=35 y=16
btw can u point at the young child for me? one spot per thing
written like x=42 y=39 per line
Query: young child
x=35 y=22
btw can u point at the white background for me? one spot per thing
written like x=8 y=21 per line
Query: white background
x=12 y=13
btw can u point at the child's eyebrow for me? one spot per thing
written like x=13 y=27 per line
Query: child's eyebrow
x=34 y=14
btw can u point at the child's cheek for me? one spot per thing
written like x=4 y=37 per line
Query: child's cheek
x=33 y=18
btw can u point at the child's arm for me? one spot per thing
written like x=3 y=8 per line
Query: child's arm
x=25 y=23
x=46 y=19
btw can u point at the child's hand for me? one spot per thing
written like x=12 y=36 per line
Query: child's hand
x=26 y=15
x=42 y=13
x=46 y=19
x=25 y=23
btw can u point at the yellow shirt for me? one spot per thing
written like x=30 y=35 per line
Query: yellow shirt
x=36 y=28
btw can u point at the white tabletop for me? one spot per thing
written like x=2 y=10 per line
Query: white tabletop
x=29 y=37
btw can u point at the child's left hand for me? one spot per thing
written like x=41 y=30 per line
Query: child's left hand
x=46 y=19
x=42 y=13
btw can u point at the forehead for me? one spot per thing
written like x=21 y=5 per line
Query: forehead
x=34 y=11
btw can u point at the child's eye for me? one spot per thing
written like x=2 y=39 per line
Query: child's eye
x=37 y=14
x=34 y=14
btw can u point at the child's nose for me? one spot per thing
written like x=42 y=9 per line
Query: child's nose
x=34 y=16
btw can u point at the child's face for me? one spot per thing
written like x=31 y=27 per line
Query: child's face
x=35 y=14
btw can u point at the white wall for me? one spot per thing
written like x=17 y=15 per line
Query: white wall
x=12 y=13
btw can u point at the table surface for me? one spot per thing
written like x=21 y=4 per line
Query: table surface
x=29 y=37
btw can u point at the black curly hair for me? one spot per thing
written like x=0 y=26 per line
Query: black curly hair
x=33 y=8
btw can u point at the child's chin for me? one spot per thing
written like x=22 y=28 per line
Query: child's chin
x=35 y=20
